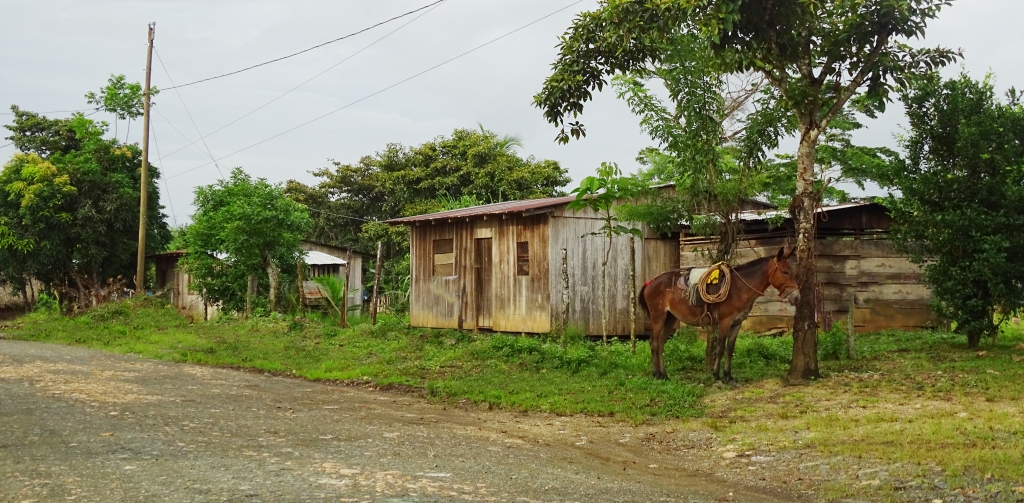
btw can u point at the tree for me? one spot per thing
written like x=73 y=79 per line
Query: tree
x=600 y=194
x=121 y=98
x=70 y=202
x=350 y=202
x=818 y=57
x=960 y=211
x=242 y=226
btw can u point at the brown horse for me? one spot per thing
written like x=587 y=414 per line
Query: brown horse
x=665 y=300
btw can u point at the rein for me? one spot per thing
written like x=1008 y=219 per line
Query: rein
x=776 y=264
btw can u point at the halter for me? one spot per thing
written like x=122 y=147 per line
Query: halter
x=775 y=269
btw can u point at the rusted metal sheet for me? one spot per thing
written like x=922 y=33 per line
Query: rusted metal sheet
x=508 y=207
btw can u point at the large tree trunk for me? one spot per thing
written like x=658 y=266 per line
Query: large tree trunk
x=804 y=364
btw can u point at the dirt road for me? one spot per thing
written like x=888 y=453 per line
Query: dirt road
x=83 y=425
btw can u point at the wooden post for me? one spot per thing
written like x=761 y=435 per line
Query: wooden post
x=344 y=298
x=851 y=329
x=375 y=301
x=250 y=292
x=565 y=292
x=302 y=292
x=140 y=267
x=632 y=294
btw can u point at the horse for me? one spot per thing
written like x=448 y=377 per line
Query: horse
x=665 y=300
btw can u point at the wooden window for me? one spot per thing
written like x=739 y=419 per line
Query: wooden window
x=444 y=257
x=523 y=258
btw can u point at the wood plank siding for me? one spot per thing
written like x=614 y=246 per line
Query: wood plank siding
x=488 y=283
x=355 y=295
x=884 y=287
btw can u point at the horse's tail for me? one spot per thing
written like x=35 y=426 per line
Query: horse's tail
x=641 y=300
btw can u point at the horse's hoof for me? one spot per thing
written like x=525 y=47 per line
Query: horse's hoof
x=661 y=377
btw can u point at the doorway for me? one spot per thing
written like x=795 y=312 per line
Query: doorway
x=484 y=292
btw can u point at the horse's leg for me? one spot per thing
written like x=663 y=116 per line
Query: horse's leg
x=731 y=332
x=719 y=350
x=659 y=318
x=667 y=327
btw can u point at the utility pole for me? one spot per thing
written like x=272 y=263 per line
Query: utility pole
x=140 y=269
x=375 y=303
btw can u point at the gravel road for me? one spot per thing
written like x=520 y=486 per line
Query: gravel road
x=84 y=425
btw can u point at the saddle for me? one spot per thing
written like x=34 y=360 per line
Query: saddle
x=705 y=285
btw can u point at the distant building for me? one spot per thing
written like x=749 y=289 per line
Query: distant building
x=321 y=259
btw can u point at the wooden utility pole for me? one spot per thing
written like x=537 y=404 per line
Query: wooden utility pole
x=140 y=268
x=375 y=302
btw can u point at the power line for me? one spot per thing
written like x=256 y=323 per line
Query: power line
x=52 y=111
x=167 y=189
x=396 y=84
x=201 y=137
x=7 y=145
x=339 y=216
x=311 y=48
x=392 y=32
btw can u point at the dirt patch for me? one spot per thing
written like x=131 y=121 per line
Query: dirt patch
x=152 y=431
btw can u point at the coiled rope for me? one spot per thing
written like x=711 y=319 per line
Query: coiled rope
x=718 y=274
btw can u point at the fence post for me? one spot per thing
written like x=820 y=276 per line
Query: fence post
x=375 y=302
x=565 y=292
x=851 y=350
x=632 y=294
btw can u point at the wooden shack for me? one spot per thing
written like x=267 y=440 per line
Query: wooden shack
x=328 y=260
x=322 y=260
x=857 y=268
x=515 y=266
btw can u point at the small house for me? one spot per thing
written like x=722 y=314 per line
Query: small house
x=857 y=269
x=321 y=259
x=527 y=267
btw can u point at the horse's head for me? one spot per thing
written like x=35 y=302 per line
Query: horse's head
x=783 y=277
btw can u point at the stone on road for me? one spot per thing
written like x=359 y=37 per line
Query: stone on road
x=84 y=425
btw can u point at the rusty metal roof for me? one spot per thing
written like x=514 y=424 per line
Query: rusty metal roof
x=765 y=215
x=488 y=209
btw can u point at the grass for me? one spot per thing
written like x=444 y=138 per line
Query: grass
x=919 y=399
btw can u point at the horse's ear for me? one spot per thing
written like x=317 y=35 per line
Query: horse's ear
x=790 y=252
x=779 y=257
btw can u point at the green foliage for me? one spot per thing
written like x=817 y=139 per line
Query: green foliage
x=961 y=208
x=69 y=203
x=242 y=226
x=34 y=133
x=122 y=99
x=601 y=193
x=832 y=342
x=333 y=290
x=47 y=303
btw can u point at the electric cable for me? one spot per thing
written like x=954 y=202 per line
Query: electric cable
x=257 y=109
x=309 y=49
x=167 y=188
x=396 y=84
x=182 y=100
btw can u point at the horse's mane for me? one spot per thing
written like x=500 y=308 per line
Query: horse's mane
x=752 y=264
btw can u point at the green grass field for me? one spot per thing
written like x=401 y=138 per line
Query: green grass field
x=919 y=398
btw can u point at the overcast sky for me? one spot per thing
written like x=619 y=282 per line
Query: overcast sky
x=52 y=52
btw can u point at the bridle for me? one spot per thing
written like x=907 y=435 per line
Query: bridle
x=775 y=270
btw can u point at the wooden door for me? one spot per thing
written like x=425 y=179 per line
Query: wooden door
x=484 y=293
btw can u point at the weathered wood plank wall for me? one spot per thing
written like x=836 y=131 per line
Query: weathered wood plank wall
x=585 y=253
x=884 y=286
x=519 y=303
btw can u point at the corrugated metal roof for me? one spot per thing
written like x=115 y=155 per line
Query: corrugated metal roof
x=751 y=215
x=172 y=253
x=488 y=209
x=314 y=257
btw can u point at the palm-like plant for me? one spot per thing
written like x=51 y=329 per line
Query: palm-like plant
x=332 y=288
